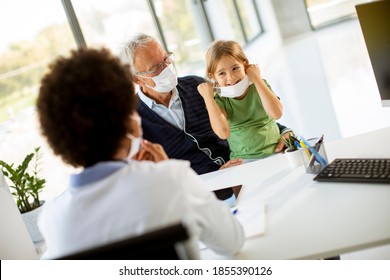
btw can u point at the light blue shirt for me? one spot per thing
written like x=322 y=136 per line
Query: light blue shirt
x=173 y=113
x=96 y=173
x=104 y=169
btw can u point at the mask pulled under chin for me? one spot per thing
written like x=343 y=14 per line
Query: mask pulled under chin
x=235 y=90
x=166 y=81
x=136 y=143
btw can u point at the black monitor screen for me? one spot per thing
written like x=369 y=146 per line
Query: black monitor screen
x=374 y=18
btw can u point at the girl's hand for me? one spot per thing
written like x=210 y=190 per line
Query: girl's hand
x=282 y=143
x=271 y=103
x=206 y=90
x=253 y=72
x=152 y=152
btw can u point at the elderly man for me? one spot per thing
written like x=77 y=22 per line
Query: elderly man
x=172 y=111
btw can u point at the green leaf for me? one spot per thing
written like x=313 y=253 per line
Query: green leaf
x=25 y=186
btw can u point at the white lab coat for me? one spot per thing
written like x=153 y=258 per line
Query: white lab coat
x=137 y=198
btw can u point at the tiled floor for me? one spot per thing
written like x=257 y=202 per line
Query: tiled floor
x=325 y=82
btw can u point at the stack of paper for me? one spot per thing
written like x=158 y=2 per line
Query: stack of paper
x=252 y=220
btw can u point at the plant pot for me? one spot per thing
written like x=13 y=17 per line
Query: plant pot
x=294 y=157
x=31 y=219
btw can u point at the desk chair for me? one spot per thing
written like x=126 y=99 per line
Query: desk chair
x=161 y=244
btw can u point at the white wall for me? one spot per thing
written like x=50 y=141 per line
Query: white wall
x=264 y=48
x=292 y=17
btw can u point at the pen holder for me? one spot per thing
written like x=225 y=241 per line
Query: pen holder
x=294 y=157
x=314 y=156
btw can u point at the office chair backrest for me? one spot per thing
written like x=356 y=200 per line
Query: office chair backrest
x=162 y=244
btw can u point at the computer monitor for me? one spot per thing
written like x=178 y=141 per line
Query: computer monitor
x=374 y=18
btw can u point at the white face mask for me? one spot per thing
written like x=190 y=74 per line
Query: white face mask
x=165 y=81
x=235 y=90
x=136 y=142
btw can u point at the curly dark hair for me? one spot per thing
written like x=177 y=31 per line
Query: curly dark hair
x=84 y=105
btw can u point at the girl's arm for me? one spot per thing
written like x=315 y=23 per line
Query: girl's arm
x=218 y=117
x=271 y=102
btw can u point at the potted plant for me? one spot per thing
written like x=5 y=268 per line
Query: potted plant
x=25 y=187
x=292 y=153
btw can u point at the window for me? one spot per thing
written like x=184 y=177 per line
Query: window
x=181 y=30
x=30 y=41
x=236 y=20
x=324 y=12
x=248 y=13
x=183 y=27
x=26 y=49
x=110 y=23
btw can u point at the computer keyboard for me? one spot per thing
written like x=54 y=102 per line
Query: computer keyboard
x=361 y=170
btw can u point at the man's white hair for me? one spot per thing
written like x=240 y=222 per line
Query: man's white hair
x=127 y=49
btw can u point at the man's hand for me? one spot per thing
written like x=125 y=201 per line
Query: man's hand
x=281 y=145
x=151 y=151
x=232 y=162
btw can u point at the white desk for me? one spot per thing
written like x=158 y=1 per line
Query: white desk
x=306 y=219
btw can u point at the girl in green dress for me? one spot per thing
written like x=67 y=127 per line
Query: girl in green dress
x=244 y=109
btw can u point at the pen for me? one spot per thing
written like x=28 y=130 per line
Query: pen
x=234 y=210
x=306 y=150
x=317 y=146
x=297 y=144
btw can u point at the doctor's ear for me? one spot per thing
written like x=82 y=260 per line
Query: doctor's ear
x=138 y=81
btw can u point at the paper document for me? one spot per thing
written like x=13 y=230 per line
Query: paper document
x=252 y=220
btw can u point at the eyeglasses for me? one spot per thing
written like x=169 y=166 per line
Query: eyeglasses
x=167 y=60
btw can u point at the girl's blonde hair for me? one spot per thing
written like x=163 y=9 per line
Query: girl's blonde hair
x=221 y=48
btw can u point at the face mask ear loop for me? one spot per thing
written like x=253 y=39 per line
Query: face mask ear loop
x=136 y=143
x=136 y=118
